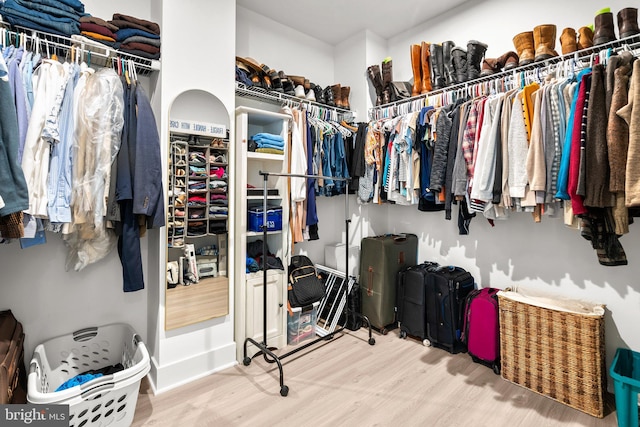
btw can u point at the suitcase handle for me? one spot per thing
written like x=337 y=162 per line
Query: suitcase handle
x=370 y=282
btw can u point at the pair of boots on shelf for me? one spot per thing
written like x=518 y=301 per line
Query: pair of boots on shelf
x=381 y=82
x=436 y=66
x=336 y=96
x=540 y=44
x=604 y=28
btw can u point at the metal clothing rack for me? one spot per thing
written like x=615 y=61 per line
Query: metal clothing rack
x=265 y=350
x=94 y=53
x=318 y=110
x=483 y=85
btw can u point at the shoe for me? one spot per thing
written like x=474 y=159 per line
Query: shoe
x=328 y=97
x=375 y=78
x=276 y=83
x=426 y=68
x=437 y=67
x=603 y=29
x=179 y=213
x=475 y=53
x=319 y=93
x=345 y=97
x=416 y=67
x=489 y=66
x=287 y=85
x=179 y=183
x=337 y=95
x=523 y=43
x=180 y=172
x=459 y=59
x=585 y=38
x=544 y=40
x=508 y=60
x=310 y=95
x=299 y=92
x=568 y=41
x=449 y=72
x=387 y=72
x=628 y=22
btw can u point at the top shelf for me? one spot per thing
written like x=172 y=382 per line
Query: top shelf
x=323 y=111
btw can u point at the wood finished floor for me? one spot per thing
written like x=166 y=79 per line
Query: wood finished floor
x=346 y=382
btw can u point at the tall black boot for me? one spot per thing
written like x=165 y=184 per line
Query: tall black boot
x=373 y=72
x=437 y=67
x=475 y=53
x=449 y=72
x=459 y=60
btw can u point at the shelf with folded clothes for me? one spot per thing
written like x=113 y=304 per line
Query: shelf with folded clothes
x=92 y=52
x=568 y=63
x=320 y=110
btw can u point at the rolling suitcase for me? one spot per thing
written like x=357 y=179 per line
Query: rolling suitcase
x=446 y=293
x=381 y=258
x=13 y=378
x=481 y=327
x=411 y=310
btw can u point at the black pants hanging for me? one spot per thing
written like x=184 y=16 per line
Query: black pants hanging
x=129 y=249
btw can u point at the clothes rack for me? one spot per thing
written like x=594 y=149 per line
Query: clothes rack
x=568 y=63
x=265 y=350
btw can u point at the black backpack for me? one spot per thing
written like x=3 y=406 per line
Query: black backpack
x=305 y=286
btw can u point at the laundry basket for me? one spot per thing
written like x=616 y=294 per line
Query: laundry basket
x=109 y=400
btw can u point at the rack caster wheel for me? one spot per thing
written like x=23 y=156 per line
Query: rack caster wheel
x=426 y=343
x=403 y=334
x=284 y=391
x=246 y=361
x=372 y=341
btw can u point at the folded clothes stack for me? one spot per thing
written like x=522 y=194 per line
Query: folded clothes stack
x=137 y=36
x=99 y=30
x=268 y=143
x=59 y=17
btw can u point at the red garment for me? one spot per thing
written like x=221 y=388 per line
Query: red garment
x=574 y=158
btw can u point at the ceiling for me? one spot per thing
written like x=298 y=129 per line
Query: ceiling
x=333 y=21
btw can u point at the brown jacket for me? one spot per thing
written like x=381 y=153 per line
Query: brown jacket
x=631 y=114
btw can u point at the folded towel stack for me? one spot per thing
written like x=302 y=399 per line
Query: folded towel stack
x=59 y=17
x=273 y=144
x=137 y=36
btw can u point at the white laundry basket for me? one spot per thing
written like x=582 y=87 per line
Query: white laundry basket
x=109 y=400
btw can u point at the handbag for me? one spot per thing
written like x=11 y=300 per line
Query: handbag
x=305 y=286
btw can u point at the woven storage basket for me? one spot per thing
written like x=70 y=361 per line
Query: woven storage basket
x=554 y=347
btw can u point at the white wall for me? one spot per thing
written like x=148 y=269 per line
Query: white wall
x=546 y=256
x=283 y=48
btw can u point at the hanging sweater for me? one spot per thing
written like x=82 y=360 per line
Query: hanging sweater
x=631 y=114
x=518 y=149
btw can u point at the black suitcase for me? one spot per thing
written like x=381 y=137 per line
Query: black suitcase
x=446 y=291
x=411 y=299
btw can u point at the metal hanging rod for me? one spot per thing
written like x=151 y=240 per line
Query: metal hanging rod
x=580 y=59
x=320 y=110
x=91 y=51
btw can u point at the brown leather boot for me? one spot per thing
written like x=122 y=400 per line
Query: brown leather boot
x=568 y=40
x=345 y=97
x=426 y=69
x=585 y=38
x=337 y=95
x=604 y=31
x=508 y=60
x=387 y=72
x=544 y=39
x=416 y=66
x=628 y=22
x=523 y=43
x=489 y=66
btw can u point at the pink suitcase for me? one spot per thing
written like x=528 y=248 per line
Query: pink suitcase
x=481 y=329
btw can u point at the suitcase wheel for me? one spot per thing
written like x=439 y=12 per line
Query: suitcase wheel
x=496 y=369
x=426 y=343
x=403 y=334
x=384 y=331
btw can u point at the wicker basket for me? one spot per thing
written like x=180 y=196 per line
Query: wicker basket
x=554 y=347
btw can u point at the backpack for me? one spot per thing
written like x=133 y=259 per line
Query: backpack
x=305 y=286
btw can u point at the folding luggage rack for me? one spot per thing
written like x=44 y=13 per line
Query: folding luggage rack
x=336 y=306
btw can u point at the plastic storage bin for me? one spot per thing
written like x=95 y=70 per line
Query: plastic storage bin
x=625 y=371
x=302 y=325
x=107 y=400
x=274 y=219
